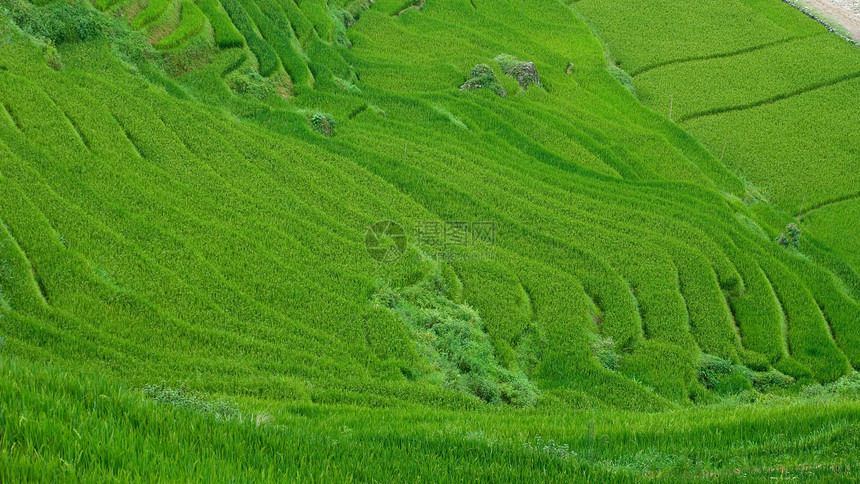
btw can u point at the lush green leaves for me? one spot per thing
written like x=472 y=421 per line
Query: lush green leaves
x=191 y=21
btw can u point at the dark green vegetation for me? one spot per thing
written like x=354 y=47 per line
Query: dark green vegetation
x=186 y=189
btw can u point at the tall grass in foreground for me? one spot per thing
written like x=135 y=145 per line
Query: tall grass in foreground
x=61 y=425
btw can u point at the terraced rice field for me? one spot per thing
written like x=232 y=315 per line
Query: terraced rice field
x=780 y=110
x=575 y=281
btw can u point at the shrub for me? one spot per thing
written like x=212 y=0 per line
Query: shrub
x=342 y=20
x=722 y=377
x=604 y=351
x=623 y=77
x=59 y=22
x=248 y=82
x=847 y=386
x=52 y=57
x=771 y=380
x=726 y=378
x=7 y=27
x=791 y=237
x=451 y=338
x=323 y=123
x=483 y=77
x=524 y=72
x=182 y=397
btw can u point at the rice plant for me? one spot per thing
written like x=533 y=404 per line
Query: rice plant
x=587 y=284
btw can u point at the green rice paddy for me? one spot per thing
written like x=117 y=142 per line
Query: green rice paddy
x=580 y=280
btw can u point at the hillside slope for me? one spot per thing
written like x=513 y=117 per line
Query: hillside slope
x=190 y=228
x=448 y=226
x=773 y=93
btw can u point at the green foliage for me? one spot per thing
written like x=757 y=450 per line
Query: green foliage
x=771 y=381
x=277 y=30
x=226 y=34
x=7 y=27
x=59 y=22
x=847 y=386
x=85 y=418
x=343 y=19
x=316 y=11
x=577 y=200
x=191 y=22
x=524 y=72
x=622 y=77
x=323 y=123
x=714 y=85
x=62 y=23
x=154 y=9
x=266 y=56
x=132 y=215
x=52 y=56
x=326 y=62
x=346 y=85
x=605 y=351
x=722 y=376
x=451 y=339
x=735 y=83
x=483 y=77
x=776 y=161
x=302 y=27
x=644 y=33
x=726 y=378
x=246 y=81
x=791 y=237
x=183 y=397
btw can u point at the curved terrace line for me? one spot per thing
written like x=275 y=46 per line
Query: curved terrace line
x=827 y=203
x=723 y=55
x=770 y=100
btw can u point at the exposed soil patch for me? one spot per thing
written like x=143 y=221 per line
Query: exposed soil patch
x=843 y=12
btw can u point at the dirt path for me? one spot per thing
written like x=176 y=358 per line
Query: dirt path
x=843 y=12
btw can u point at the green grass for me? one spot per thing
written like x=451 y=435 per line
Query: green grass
x=200 y=240
x=743 y=101
x=226 y=34
x=784 y=157
x=837 y=225
x=54 y=425
x=153 y=10
x=751 y=78
x=191 y=21
x=267 y=59
x=278 y=32
x=676 y=32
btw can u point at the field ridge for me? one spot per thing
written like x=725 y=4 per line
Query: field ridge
x=721 y=55
x=771 y=100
